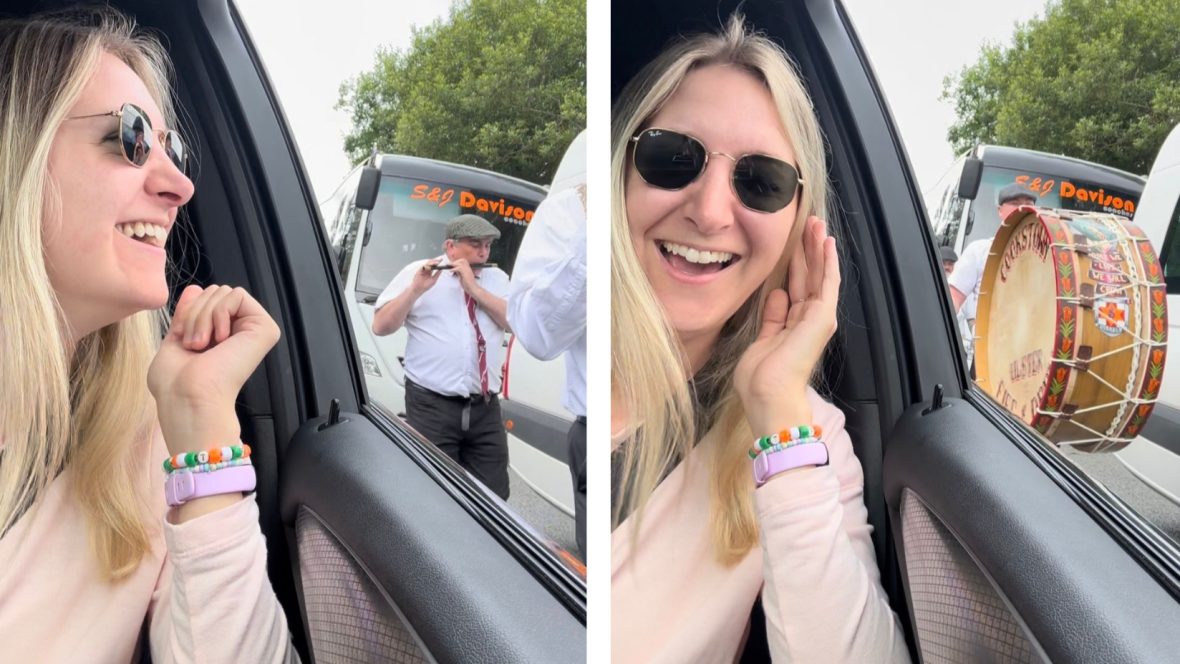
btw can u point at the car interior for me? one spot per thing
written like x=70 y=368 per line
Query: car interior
x=379 y=547
x=990 y=546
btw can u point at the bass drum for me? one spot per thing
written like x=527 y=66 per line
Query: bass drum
x=1072 y=326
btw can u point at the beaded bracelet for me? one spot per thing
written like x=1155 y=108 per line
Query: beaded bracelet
x=210 y=467
x=787 y=437
x=779 y=447
x=211 y=456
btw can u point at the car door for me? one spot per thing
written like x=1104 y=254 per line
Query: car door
x=380 y=548
x=992 y=546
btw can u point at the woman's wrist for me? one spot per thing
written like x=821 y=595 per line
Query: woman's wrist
x=196 y=429
x=202 y=506
x=784 y=411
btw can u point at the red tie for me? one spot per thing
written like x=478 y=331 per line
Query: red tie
x=480 y=344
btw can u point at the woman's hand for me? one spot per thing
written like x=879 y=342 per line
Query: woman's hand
x=772 y=376
x=218 y=337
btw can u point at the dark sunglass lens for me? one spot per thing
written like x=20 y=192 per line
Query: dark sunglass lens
x=764 y=183
x=136 y=133
x=667 y=159
x=176 y=150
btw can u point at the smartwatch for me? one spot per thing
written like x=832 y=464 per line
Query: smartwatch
x=771 y=463
x=181 y=487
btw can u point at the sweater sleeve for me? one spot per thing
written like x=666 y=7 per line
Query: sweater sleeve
x=822 y=593
x=213 y=601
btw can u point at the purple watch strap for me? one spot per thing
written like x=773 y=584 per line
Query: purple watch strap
x=768 y=464
x=182 y=486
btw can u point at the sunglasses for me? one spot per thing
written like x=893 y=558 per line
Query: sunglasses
x=671 y=160
x=136 y=137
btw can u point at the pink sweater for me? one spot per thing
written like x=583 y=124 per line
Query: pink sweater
x=203 y=587
x=671 y=601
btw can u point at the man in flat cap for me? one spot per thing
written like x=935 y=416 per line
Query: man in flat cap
x=456 y=315
x=949 y=258
x=968 y=273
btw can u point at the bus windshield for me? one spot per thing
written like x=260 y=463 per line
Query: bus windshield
x=1060 y=183
x=407 y=221
x=1055 y=192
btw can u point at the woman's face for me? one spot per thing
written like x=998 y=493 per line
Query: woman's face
x=729 y=111
x=100 y=274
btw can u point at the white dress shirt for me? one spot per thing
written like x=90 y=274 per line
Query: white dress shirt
x=547 y=297
x=968 y=275
x=442 y=354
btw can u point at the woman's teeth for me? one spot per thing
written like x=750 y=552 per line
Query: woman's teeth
x=696 y=255
x=148 y=233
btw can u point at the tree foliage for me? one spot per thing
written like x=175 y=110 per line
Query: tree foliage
x=1094 y=79
x=499 y=84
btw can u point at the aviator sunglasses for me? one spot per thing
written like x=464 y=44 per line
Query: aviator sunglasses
x=136 y=137
x=671 y=160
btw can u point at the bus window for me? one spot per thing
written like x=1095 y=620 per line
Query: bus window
x=1055 y=192
x=407 y=224
x=945 y=207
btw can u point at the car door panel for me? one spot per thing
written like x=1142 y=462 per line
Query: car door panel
x=464 y=596
x=1076 y=593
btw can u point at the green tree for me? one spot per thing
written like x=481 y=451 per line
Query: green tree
x=499 y=84
x=1094 y=79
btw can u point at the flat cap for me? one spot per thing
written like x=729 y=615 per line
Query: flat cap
x=470 y=225
x=1015 y=190
x=948 y=254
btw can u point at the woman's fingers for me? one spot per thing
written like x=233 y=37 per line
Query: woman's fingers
x=797 y=268
x=222 y=321
x=774 y=314
x=187 y=296
x=199 y=333
x=831 y=273
x=815 y=258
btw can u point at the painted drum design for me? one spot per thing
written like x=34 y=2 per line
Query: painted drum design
x=1072 y=326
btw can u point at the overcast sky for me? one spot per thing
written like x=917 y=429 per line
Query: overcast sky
x=913 y=44
x=309 y=49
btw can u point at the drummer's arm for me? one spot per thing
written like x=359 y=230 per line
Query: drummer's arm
x=958 y=298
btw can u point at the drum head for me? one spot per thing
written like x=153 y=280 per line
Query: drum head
x=1019 y=335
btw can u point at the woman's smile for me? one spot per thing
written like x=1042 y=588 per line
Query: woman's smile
x=692 y=264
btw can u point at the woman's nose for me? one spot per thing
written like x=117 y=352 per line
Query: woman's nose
x=712 y=198
x=165 y=180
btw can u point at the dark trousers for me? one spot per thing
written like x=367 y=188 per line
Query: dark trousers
x=577 y=458
x=480 y=447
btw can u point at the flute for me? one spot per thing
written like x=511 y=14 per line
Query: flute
x=473 y=266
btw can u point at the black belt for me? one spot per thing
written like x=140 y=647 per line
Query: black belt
x=473 y=398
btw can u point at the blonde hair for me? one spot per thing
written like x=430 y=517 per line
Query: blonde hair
x=90 y=408
x=647 y=360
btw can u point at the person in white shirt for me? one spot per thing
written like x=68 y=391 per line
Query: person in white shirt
x=547 y=310
x=968 y=273
x=456 y=317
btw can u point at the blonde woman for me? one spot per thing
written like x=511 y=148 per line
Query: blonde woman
x=92 y=402
x=724 y=285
